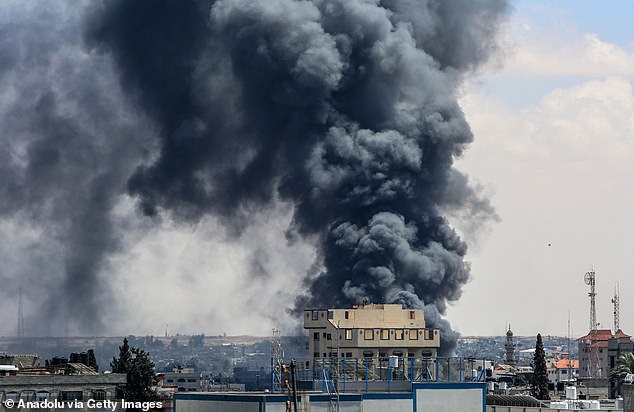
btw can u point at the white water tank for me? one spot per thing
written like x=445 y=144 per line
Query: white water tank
x=571 y=392
x=559 y=405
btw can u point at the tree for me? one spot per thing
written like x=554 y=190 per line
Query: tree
x=139 y=369
x=624 y=366
x=539 y=388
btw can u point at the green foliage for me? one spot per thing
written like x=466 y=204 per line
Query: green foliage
x=539 y=387
x=624 y=365
x=138 y=367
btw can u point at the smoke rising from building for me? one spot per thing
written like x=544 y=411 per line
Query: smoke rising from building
x=345 y=109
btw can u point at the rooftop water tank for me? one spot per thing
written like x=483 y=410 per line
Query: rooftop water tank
x=571 y=392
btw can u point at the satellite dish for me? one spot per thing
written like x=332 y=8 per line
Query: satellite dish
x=588 y=278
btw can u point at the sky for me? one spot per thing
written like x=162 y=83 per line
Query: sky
x=553 y=149
x=552 y=114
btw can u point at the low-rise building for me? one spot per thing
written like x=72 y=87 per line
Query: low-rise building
x=563 y=370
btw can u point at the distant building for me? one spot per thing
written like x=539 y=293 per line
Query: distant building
x=183 y=379
x=369 y=331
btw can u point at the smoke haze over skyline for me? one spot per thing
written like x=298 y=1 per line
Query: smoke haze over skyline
x=290 y=152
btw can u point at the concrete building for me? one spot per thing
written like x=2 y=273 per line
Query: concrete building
x=369 y=331
x=599 y=351
x=183 y=379
x=563 y=370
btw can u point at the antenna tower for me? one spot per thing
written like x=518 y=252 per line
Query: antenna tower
x=589 y=278
x=20 y=315
x=594 y=361
x=277 y=362
x=615 y=302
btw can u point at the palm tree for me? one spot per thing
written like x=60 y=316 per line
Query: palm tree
x=624 y=365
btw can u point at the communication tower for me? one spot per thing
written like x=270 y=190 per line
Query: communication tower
x=593 y=358
x=615 y=303
x=277 y=362
x=589 y=278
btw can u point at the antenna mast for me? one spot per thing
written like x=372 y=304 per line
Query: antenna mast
x=615 y=302
x=589 y=278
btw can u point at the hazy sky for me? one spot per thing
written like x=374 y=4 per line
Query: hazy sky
x=553 y=119
x=554 y=147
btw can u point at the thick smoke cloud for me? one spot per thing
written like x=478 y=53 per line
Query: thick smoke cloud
x=345 y=109
x=68 y=147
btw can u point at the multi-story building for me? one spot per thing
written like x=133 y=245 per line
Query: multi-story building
x=369 y=331
x=184 y=379
x=599 y=350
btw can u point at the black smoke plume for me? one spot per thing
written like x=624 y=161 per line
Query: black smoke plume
x=345 y=108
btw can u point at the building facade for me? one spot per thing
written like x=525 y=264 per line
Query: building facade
x=369 y=331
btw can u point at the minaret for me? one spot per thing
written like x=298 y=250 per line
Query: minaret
x=510 y=348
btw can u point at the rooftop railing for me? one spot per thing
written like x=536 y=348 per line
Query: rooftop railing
x=389 y=373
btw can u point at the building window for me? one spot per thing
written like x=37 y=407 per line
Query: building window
x=429 y=334
x=329 y=336
x=331 y=314
x=181 y=380
x=44 y=395
x=368 y=354
x=324 y=335
x=315 y=315
x=368 y=334
x=315 y=354
x=316 y=335
x=398 y=334
x=413 y=334
x=99 y=395
x=385 y=334
x=349 y=315
x=348 y=334
x=348 y=354
x=412 y=315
